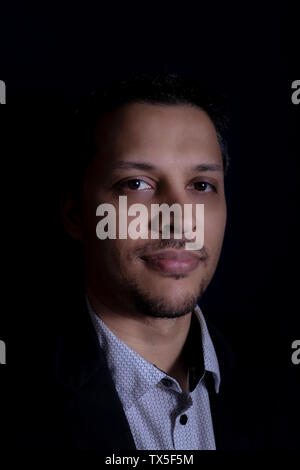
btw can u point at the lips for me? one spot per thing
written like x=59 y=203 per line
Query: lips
x=172 y=262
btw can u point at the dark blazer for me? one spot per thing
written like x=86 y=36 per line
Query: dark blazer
x=66 y=398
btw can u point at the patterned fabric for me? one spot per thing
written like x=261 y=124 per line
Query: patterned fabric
x=160 y=415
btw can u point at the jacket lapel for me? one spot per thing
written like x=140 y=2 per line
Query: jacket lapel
x=92 y=412
x=229 y=406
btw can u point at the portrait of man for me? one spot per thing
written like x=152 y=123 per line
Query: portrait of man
x=150 y=288
x=160 y=140
x=134 y=363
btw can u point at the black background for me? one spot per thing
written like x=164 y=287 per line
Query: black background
x=248 y=50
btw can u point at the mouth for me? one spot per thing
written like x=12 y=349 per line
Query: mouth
x=172 y=262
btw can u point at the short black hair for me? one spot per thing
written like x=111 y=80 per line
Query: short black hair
x=160 y=88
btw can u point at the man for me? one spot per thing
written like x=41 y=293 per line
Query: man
x=141 y=294
x=135 y=363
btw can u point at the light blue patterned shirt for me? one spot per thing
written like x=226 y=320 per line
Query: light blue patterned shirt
x=160 y=415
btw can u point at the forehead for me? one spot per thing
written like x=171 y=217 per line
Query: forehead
x=158 y=133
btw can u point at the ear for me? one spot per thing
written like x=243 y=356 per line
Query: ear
x=71 y=216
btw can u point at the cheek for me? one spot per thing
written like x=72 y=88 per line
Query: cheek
x=117 y=254
x=214 y=226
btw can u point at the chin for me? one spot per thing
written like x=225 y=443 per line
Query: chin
x=175 y=286
x=165 y=307
x=165 y=299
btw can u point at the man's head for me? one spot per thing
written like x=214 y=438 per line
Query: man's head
x=154 y=140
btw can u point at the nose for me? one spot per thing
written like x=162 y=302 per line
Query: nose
x=168 y=215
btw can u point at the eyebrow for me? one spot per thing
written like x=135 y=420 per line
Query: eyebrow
x=147 y=166
x=207 y=167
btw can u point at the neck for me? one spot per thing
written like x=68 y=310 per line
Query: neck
x=158 y=340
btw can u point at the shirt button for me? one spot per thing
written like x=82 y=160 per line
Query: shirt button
x=166 y=382
x=183 y=419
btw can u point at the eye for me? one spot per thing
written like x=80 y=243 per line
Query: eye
x=204 y=187
x=135 y=184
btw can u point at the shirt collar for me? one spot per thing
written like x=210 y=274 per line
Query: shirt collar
x=134 y=376
x=209 y=354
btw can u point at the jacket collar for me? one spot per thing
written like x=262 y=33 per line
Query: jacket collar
x=92 y=410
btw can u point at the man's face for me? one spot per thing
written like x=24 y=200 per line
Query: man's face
x=153 y=154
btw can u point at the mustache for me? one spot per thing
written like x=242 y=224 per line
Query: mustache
x=163 y=244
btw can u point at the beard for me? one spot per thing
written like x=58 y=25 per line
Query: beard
x=163 y=307
x=126 y=292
